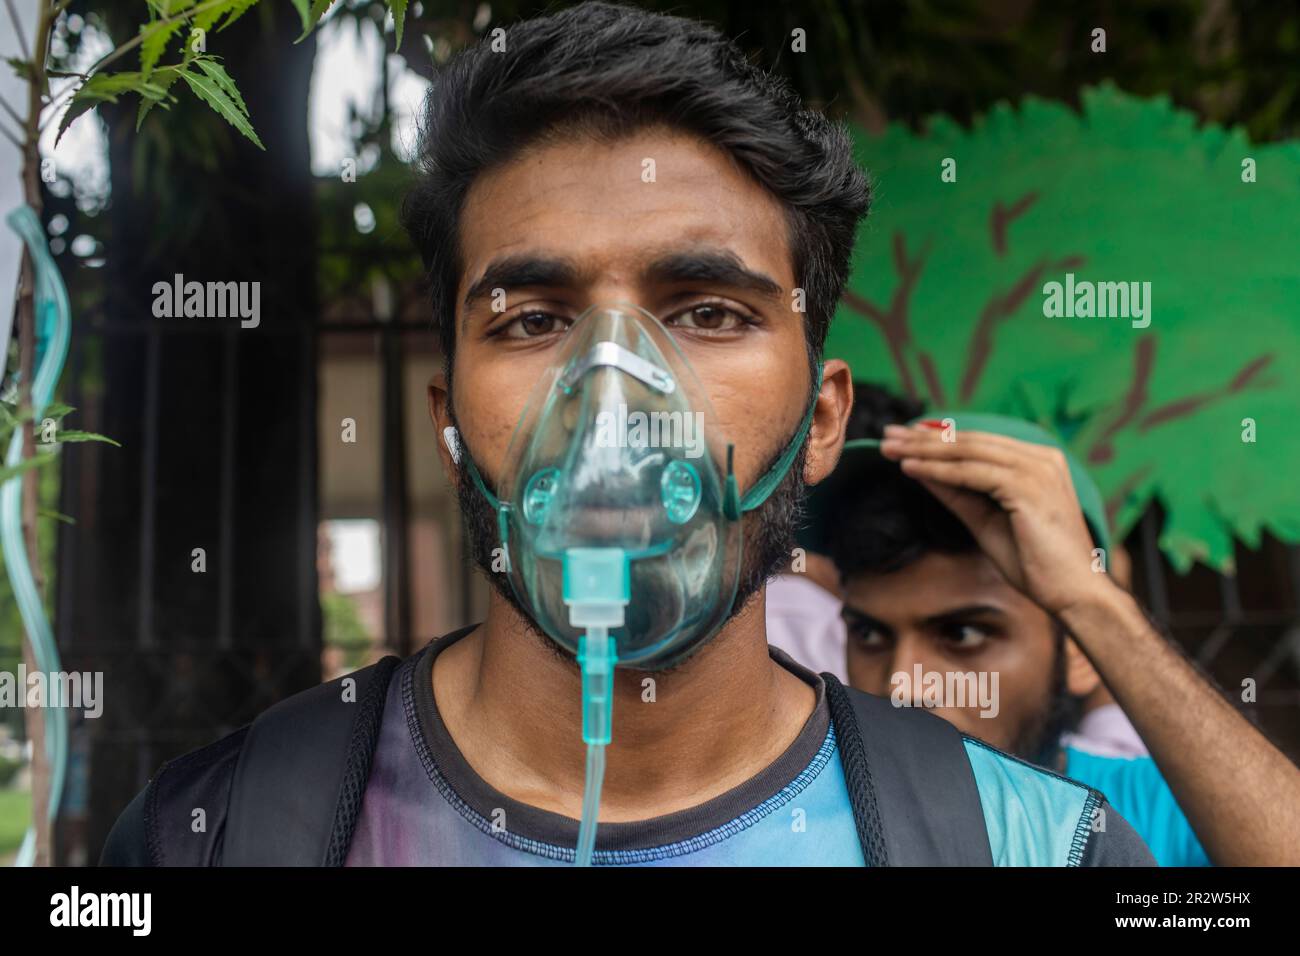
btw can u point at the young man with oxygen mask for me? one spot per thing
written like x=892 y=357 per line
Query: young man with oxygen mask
x=635 y=241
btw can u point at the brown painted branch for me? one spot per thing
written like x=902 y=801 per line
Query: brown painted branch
x=1103 y=450
x=1125 y=488
x=1183 y=407
x=1003 y=216
x=1000 y=307
x=865 y=306
x=872 y=312
x=1248 y=372
x=893 y=321
x=938 y=396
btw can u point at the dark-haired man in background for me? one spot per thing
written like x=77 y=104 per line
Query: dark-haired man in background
x=805 y=601
x=975 y=556
x=534 y=202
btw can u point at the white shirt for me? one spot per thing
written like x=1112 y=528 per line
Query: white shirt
x=803 y=619
x=1106 y=732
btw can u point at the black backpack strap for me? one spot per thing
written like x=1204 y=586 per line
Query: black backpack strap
x=179 y=818
x=301 y=773
x=911 y=786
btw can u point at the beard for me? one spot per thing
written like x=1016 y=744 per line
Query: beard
x=768 y=536
x=1039 y=739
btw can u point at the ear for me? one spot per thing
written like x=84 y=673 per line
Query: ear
x=830 y=418
x=1081 y=678
x=440 y=415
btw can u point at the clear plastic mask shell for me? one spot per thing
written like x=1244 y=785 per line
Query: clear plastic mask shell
x=618 y=448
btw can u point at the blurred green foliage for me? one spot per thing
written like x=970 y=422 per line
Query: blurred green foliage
x=15 y=812
x=342 y=628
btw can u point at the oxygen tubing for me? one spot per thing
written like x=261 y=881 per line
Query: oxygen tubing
x=53 y=328
x=597 y=658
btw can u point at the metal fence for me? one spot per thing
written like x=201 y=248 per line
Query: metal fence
x=180 y=674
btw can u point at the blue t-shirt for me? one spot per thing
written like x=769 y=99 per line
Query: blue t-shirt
x=1134 y=786
x=425 y=806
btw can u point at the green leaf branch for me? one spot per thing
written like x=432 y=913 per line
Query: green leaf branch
x=174 y=22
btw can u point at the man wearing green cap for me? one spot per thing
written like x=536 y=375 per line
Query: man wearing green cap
x=973 y=546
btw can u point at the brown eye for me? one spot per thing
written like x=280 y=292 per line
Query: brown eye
x=531 y=325
x=707 y=317
x=866 y=636
x=966 y=637
x=537 y=323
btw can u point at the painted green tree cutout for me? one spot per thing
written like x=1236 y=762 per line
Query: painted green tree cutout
x=946 y=301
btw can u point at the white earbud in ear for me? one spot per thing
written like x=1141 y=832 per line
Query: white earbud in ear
x=452 y=440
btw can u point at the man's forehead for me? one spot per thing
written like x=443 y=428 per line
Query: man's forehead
x=595 y=208
x=933 y=585
x=651 y=169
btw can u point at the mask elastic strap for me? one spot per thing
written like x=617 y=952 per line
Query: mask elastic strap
x=764 y=487
x=501 y=508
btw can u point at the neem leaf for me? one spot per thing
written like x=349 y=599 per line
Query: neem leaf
x=74 y=111
x=237 y=10
x=57 y=410
x=219 y=75
x=232 y=10
x=155 y=35
x=56 y=515
x=20 y=66
x=398 y=8
x=310 y=15
x=209 y=91
x=304 y=13
x=26 y=465
x=106 y=88
x=76 y=436
x=164 y=78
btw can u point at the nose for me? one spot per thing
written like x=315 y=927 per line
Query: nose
x=909 y=652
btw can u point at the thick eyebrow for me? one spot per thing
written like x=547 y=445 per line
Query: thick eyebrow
x=962 y=613
x=530 y=270
x=522 y=271
x=711 y=265
x=852 y=615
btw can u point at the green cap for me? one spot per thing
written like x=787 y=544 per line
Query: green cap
x=822 y=499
